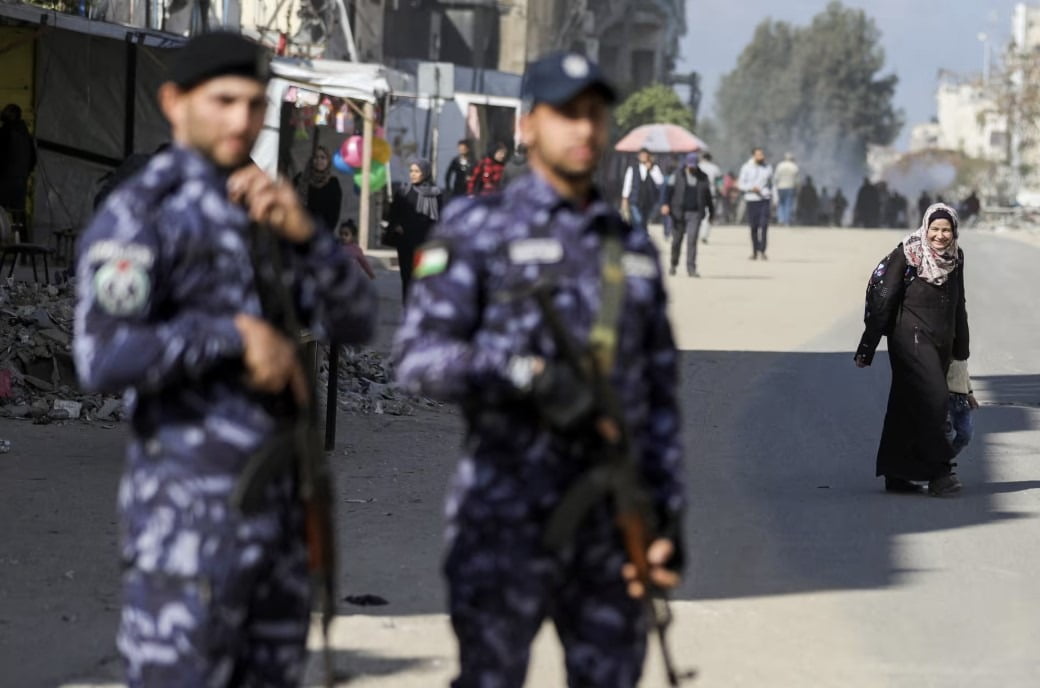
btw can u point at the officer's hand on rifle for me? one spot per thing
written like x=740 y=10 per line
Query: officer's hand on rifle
x=271 y=202
x=564 y=400
x=659 y=556
x=270 y=358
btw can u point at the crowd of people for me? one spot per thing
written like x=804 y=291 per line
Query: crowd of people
x=567 y=443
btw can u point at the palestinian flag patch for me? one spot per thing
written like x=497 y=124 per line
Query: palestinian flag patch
x=432 y=259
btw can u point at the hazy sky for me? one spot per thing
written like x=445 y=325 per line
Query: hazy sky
x=920 y=37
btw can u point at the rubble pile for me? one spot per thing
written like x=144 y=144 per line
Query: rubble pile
x=38 y=378
x=366 y=385
x=37 y=375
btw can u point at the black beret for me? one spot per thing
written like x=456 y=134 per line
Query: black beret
x=220 y=53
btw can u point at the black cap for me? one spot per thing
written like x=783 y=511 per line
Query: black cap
x=556 y=79
x=220 y=53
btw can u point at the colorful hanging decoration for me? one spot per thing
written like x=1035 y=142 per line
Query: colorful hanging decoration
x=352 y=151
x=322 y=113
x=340 y=164
x=381 y=151
x=377 y=178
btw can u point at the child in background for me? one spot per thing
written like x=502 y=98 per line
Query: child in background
x=347 y=234
x=960 y=426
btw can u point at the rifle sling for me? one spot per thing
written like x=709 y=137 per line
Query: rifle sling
x=604 y=335
x=600 y=481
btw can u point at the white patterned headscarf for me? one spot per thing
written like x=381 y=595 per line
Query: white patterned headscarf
x=932 y=266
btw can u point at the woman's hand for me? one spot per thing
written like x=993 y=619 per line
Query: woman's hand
x=861 y=361
x=972 y=401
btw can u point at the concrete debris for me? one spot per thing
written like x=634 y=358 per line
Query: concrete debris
x=37 y=374
x=366 y=385
x=38 y=377
x=71 y=408
x=5 y=446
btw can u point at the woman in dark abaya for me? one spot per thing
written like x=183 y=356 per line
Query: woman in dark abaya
x=320 y=190
x=414 y=211
x=916 y=298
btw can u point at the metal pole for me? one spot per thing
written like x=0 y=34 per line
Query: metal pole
x=331 y=397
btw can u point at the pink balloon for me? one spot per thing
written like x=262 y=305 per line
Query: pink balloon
x=353 y=151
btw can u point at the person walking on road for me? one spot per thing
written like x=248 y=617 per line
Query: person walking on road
x=487 y=175
x=756 y=181
x=867 y=210
x=916 y=298
x=690 y=203
x=414 y=210
x=709 y=167
x=840 y=204
x=808 y=210
x=172 y=277
x=923 y=202
x=508 y=296
x=456 y=181
x=786 y=184
x=642 y=190
x=517 y=166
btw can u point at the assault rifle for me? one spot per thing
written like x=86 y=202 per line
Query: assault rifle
x=616 y=477
x=299 y=448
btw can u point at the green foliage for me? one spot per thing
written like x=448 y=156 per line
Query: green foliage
x=815 y=91
x=654 y=104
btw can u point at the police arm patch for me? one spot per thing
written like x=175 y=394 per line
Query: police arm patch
x=431 y=259
x=122 y=287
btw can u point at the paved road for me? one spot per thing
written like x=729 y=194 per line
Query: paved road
x=804 y=573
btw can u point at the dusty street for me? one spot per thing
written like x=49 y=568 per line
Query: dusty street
x=804 y=572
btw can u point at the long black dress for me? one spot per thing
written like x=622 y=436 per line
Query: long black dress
x=325 y=202
x=929 y=328
x=415 y=228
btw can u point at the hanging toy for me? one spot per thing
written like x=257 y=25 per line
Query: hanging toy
x=321 y=117
x=341 y=165
x=376 y=179
x=341 y=121
x=352 y=151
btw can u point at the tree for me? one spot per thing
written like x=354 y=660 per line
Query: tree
x=815 y=91
x=653 y=104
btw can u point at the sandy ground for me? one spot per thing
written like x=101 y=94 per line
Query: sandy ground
x=803 y=574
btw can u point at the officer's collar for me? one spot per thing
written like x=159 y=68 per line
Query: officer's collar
x=535 y=191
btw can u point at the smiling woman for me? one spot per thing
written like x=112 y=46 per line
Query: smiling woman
x=916 y=298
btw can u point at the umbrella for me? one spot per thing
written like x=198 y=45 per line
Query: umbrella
x=660 y=138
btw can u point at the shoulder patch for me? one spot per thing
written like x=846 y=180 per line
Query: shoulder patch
x=121 y=287
x=431 y=259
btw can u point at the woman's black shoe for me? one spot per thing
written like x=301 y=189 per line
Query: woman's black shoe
x=901 y=486
x=945 y=486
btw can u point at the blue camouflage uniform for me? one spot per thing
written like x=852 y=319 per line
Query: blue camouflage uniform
x=212 y=597
x=468 y=316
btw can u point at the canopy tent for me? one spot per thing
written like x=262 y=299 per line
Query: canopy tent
x=368 y=85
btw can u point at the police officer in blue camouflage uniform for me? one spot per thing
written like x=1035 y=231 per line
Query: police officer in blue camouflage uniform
x=473 y=334
x=169 y=308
